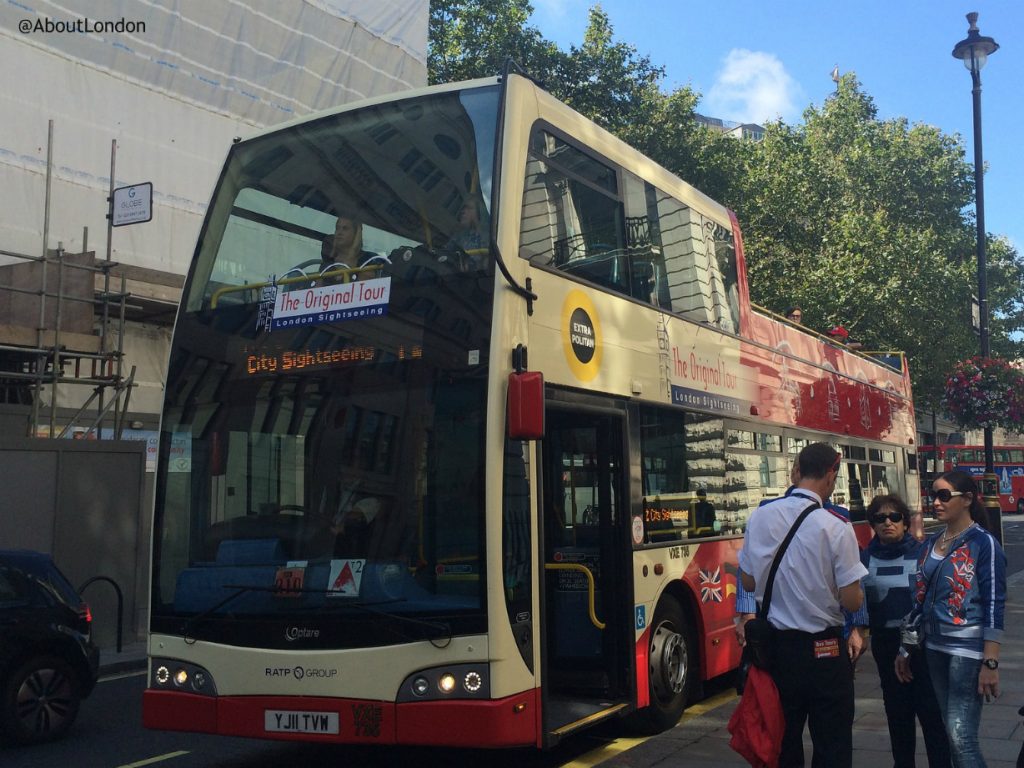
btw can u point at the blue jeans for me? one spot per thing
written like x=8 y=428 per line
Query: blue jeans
x=955 y=680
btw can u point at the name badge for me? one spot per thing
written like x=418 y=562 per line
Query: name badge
x=826 y=649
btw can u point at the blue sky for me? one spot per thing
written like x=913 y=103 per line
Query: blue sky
x=754 y=61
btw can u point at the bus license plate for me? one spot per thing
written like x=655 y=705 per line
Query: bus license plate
x=289 y=721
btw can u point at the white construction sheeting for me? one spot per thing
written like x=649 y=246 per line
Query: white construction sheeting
x=173 y=83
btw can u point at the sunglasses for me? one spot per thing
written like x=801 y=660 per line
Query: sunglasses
x=944 y=494
x=892 y=517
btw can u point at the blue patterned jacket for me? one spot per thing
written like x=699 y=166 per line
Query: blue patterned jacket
x=963 y=603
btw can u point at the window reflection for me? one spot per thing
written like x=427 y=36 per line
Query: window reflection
x=685 y=487
x=636 y=240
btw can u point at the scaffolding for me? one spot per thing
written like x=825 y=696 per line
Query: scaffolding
x=66 y=345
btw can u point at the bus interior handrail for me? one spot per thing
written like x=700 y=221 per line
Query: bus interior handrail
x=590 y=586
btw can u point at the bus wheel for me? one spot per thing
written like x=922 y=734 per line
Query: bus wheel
x=1020 y=506
x=672 y=668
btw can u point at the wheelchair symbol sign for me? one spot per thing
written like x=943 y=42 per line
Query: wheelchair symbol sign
x=641 y=616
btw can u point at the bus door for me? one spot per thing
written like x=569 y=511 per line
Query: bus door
x=586 y=631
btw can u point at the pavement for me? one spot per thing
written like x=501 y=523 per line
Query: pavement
x=702 y=741
x=131 y=658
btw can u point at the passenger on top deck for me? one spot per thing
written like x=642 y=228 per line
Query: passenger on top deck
x=842 y=336
x=345 y=248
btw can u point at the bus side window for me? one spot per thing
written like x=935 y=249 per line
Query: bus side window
x=572 y=214
x=700 y=264
x=648 y=279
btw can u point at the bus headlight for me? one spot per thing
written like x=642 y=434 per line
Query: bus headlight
x=452 y=681
x=446 y=683
x=472 y=681
x=172 y=674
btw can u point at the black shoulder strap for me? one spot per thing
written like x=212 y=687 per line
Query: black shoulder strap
x=766 y=602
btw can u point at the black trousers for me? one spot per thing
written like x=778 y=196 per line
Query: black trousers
x=816 y=690
x=904 y=701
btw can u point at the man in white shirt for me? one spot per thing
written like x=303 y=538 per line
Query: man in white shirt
x=818 y=576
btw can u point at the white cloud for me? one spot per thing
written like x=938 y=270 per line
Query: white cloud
x=555 y=9
x=753 y=87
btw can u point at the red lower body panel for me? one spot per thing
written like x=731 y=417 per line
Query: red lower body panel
x=460 y=723
x=643 y=669
x=507 y=722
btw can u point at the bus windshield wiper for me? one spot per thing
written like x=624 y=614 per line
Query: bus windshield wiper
x=191 y=623
x=440 y=626
x=240 y=589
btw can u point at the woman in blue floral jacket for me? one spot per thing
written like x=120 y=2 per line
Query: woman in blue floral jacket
x=960 y=596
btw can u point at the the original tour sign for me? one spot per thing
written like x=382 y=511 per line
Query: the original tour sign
x=132 y=205
x=706 y=373
x=581 y=335
x=358 y=299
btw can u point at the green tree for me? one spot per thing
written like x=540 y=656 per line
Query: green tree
x=1005 y=272
x=609 y=81
x=861 y=222
x=474 y=38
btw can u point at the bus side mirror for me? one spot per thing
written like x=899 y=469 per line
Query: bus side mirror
x=526 y=405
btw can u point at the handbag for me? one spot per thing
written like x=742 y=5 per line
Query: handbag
x=759 y=648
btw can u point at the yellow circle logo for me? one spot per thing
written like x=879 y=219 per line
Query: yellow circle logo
x=581 y=335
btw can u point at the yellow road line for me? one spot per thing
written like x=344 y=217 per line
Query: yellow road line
x=617 y=746
x=604 y=752
x=157 y=759
x=707 y=705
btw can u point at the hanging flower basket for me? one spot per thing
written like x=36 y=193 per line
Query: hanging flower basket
x=985 y=392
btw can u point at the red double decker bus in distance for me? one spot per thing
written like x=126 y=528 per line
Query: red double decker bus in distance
x=1008 y=463
x=467 y=409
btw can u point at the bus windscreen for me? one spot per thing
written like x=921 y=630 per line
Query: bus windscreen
x=323 y=434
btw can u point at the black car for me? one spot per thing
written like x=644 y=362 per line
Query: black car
x=48 y=662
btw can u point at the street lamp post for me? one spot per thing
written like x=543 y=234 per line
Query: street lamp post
x=974 y=51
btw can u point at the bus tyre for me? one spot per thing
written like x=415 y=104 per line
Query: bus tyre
x=672 y=668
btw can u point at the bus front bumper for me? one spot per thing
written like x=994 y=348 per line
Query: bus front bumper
x=459 y=723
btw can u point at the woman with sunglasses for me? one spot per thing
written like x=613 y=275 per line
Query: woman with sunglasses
x=960 y=596
x=891 y=559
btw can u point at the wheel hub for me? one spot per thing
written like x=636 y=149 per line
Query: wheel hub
x=668 y=662
x=43 y=700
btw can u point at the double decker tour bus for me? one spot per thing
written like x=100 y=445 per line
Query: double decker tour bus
x=473 y=491
x=1008 y=464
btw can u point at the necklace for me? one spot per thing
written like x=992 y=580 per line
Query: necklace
x=947 y=537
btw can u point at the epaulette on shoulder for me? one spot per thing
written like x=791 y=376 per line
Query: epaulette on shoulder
x=836 y=515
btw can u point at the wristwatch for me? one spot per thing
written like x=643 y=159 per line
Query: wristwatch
x=991 y=663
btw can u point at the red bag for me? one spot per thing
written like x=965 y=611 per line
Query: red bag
x=757 y=725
